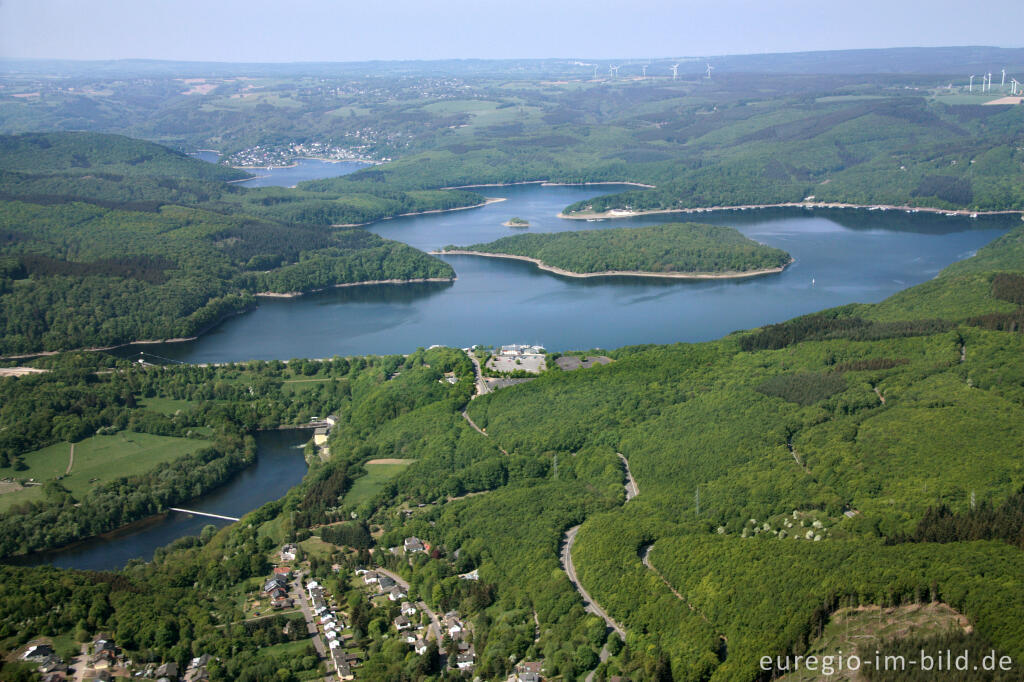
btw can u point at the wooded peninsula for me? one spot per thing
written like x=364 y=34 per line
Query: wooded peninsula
x=679 y=250
x=106 y=240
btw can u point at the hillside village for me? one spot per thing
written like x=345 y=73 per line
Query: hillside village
x=336 y=600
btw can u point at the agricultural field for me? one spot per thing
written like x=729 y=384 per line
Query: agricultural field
x=98 y=460
x=378 y=472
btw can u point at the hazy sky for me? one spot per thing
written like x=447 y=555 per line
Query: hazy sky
x=325 y=30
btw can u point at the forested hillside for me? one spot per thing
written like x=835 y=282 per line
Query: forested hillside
x=920 y=138
x=88 y=153
x=106 y=240
x=674 y=248
x=88 y=275
x=783 y=472
x=853 y=458
x=866 y=457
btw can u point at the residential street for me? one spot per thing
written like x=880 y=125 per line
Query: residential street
x=435 y=623
x=307 y=612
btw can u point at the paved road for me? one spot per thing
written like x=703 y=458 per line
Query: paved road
x=435 y=623
x=632 y=489
x=307 y=612
x=603 y=656
x=80 y=663
x=645 y=557
x=481 y=386
x=588 y=602
x=472 y=423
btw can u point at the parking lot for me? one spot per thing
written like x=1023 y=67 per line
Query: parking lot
x=510 y=363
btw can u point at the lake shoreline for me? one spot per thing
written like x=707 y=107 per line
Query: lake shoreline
x=617 y=273
x=212 y=325
x=548 y=183
x=620 y=213
x=487 y=202
x=154 y=519
x=295 y=163
x=297 y=294
x=126 y=344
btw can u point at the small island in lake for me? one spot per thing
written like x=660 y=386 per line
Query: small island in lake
x=673 y=250
x=516 y=222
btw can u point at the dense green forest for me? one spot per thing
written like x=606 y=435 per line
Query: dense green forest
x=89 y=275
x=867 y=455
x=860 y=456
x=85 y=154
x=741 y=138
x=670 y=248
x=93 y=396
x=146 y=243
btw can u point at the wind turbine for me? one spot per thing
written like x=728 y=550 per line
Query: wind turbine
x=675 y=71
x=990 y=81
x=1013 y=86
x=709 y=71
x=643 y=72
x=1002 y=81
x=595 y=71
x=613 y=72
x=970 y=86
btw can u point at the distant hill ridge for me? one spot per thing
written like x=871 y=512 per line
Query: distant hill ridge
x=85 y=152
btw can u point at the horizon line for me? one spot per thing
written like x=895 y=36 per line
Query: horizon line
x=497 y=59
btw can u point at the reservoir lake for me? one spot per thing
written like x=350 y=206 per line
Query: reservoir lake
x=850 y=255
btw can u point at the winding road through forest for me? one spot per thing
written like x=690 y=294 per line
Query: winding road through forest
x=589 y=604
x=481 y=389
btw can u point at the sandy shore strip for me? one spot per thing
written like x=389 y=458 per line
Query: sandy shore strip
x=487 y=201
x=296 y=294
x=141 y=342
x=20 y=371
x=548 y=183
x=616 y=273
x=622 y=213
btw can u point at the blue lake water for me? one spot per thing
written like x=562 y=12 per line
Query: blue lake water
x=851 y=255
x=279 y=466
x=304 y=169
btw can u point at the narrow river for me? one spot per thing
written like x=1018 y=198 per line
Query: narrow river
x=279 y=466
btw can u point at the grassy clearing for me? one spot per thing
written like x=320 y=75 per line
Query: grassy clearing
x=167 y=405
x=296 y=649
x=377 y=474
x=970 y=98
x=273 y=529
x=314 y=546
x=296 y=386
x=459 y=106
x=98 y=459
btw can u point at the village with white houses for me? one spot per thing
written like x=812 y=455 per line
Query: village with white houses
x=327 y=599
x=341 y=604
x=447 y=636
x=101 y=660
